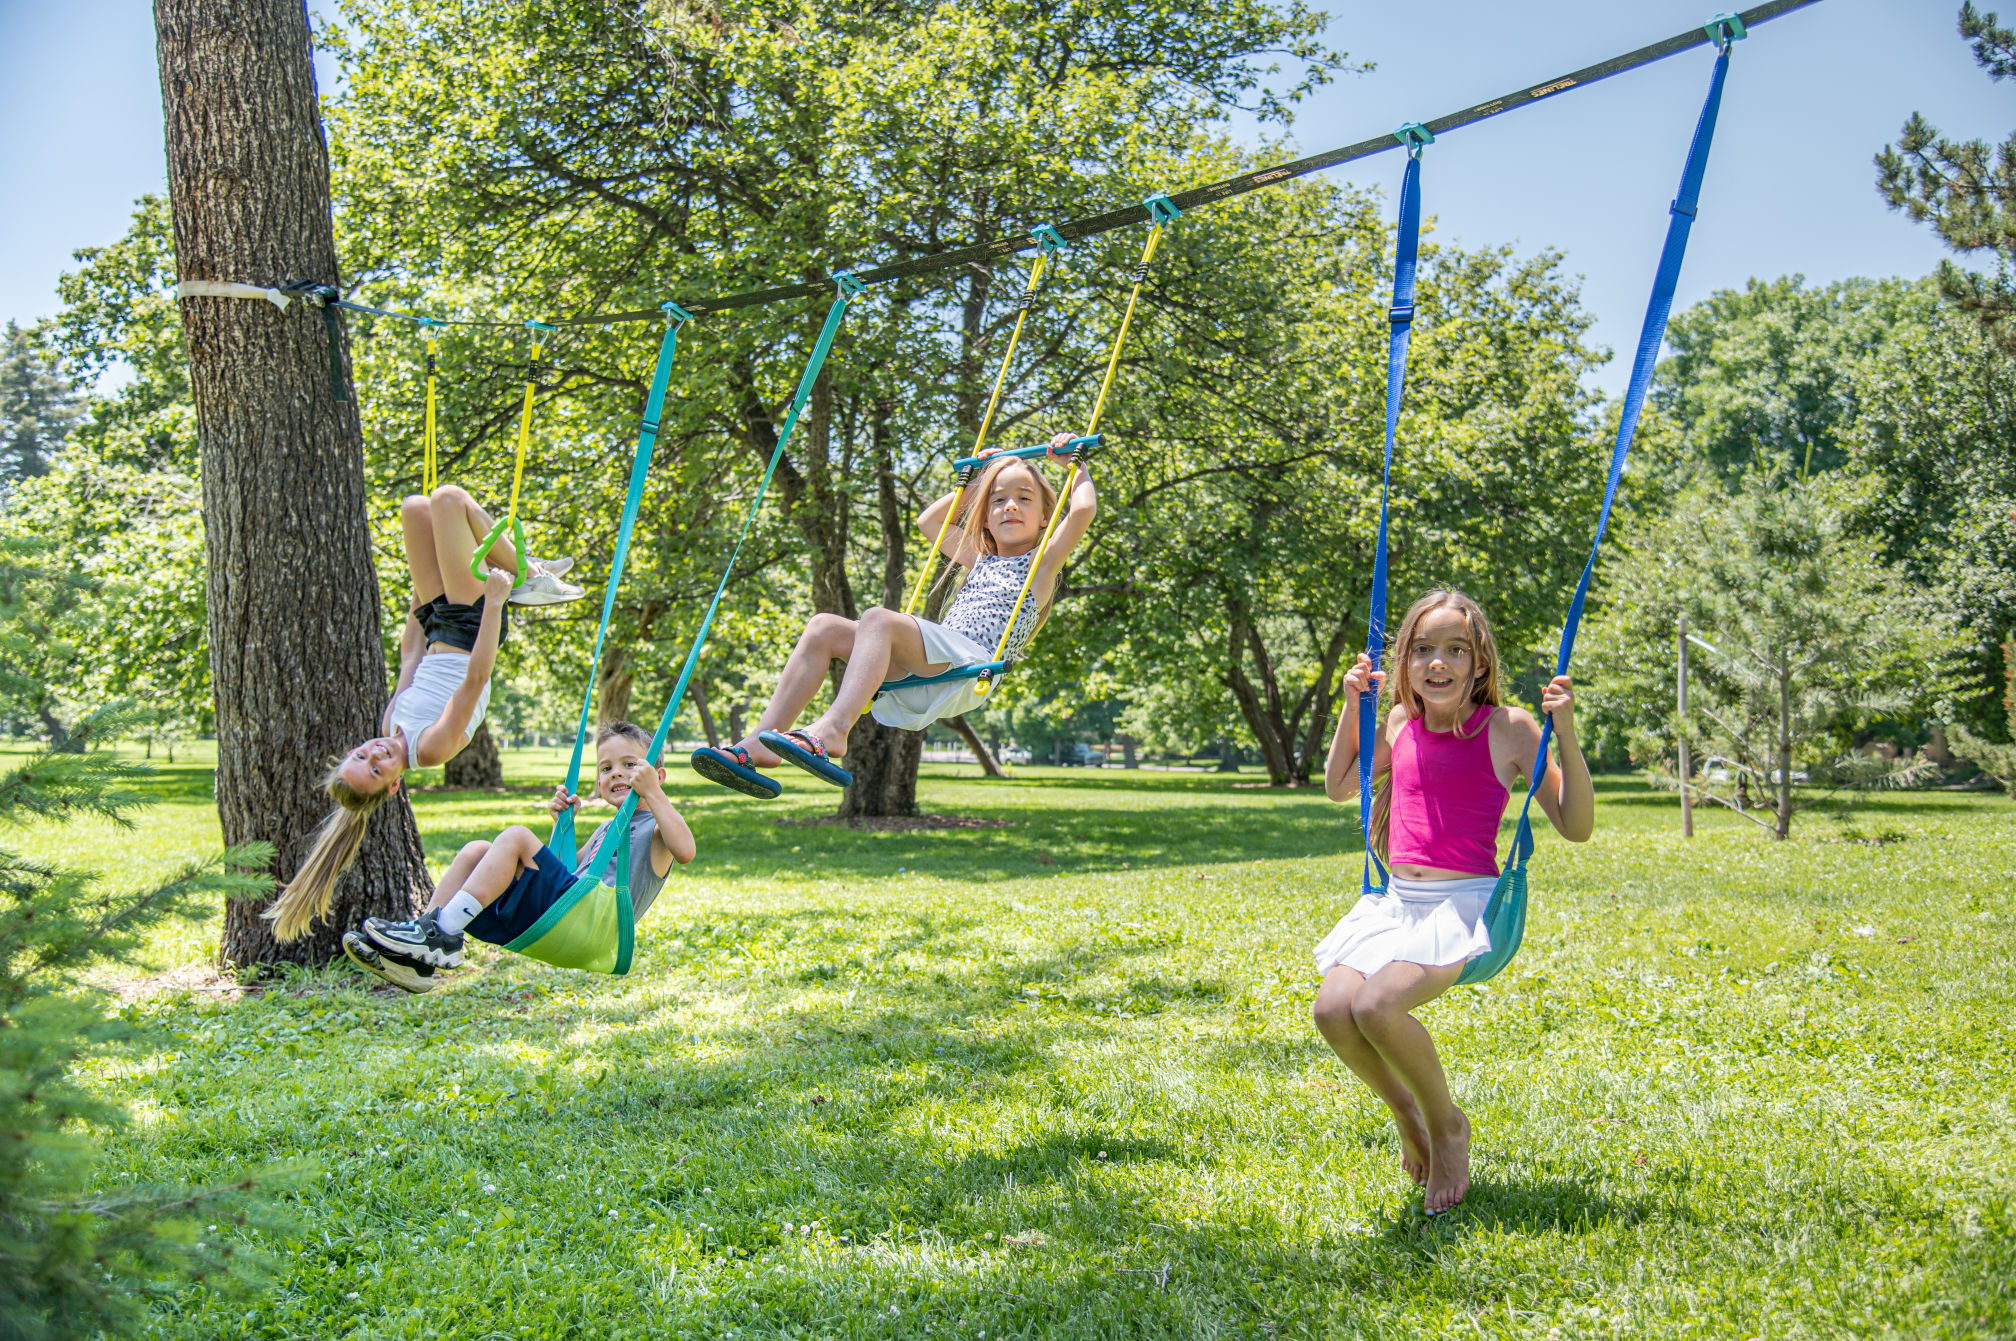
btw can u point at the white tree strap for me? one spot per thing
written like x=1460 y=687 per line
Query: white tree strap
x=224 y=288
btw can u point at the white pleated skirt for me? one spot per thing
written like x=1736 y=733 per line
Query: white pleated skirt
x=1431 y=922
x=917 y=707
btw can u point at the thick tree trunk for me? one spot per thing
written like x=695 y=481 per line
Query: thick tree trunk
x=478 y=766
x=292 y=596
x=699 y=691
x=981 y=754
x=612 y=696
x=882 y=759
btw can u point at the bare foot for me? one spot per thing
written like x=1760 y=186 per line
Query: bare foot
x=832 y=736
x=761 y=755
x=1413 y=1145
x=1448 y=1165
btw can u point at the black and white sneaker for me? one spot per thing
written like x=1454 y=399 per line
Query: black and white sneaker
x=405 y=974
x=419 y=940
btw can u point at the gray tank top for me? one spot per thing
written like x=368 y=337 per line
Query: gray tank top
x=644 y=882
x=981 y=609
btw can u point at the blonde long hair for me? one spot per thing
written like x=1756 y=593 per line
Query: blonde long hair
x=978 y=540
x=1485 y=686
x=313 y=888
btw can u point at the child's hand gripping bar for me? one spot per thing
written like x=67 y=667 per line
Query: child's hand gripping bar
x=1080 y=448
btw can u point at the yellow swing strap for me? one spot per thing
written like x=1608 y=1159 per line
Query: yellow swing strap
x=432 y=468
x=510 y=518
x=1047 y=239
x=1161 y=211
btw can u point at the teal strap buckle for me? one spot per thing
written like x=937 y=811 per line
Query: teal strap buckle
x=850 y=287
x=1415 y=136
x=674 y=312
x=1048 y=239
x=1161 y=209
x=540 y=330
x=1724 y=29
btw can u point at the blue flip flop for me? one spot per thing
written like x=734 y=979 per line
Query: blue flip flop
x=730 y=768
x=810 y=755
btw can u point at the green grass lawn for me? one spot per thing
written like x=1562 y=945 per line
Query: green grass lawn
x=1058 y=1079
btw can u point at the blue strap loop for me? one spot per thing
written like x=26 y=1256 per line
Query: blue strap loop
x=820 y=349
x=1161 y=209
x=1048 y=240
x=1406 y=261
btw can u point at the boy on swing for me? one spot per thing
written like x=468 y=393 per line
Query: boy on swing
x=496 y=890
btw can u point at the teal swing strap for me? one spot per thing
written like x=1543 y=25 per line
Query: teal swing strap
x=1505 y=917
x=850 y=288
x=562 y=842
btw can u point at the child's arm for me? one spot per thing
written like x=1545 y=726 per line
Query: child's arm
x=412 y=647
x=673 y=841
x=1566 y=794
x=444 y=740
x=1340 y=770
x=959 y=504
x=1072 y=526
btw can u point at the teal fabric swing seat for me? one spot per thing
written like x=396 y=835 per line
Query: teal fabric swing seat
x=1505 y=914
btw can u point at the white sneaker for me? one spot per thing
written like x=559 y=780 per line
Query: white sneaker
x=544 y=587
x=557 y=567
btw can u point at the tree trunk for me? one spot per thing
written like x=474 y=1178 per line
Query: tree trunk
x=478 y=766
x=882 y=759
x=612 y=696
x=1128 y=745
x=973 y=742
x=292 y=596
x=1784 y=750
x=706 y=718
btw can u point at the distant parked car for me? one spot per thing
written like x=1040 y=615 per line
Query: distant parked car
x=1015 y=754
x=1079 y=755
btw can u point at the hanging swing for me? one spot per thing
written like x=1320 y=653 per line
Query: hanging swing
x=593 y=926
x=509 y=521
x=984 y=674
x=1505 y=915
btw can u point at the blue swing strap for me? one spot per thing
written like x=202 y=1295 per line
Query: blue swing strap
x=563 y=840
x=850 y=289
x=1506 y=913
x=1401 y=317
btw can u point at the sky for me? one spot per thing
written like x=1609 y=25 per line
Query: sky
x=1790 y=189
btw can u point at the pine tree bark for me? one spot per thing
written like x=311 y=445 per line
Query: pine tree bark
x=479 y=766
x=296 y=659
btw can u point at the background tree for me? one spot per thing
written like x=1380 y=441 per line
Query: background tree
x=38 y=404
x=1805 y=639
x=1965 y=189
x=292 y=596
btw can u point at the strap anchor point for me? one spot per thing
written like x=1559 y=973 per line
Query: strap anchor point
x=850 y=287
x=1724 y=30
x=1161 y=209
x=674 y=312
x=1415 y=136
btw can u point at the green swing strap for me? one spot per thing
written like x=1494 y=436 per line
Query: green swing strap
x=563 y=842
x=1505 y=915
x=592 y=925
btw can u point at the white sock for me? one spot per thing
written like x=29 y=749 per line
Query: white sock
x=457 y=913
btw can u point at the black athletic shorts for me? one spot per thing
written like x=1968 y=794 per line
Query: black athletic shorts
x=443 y=621
x=525 y=902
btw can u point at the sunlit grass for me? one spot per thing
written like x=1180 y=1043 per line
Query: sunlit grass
x=997 y=1080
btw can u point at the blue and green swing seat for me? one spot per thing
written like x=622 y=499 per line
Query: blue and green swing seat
x=593 y=926
x=1505 y=914
x=1161 y=212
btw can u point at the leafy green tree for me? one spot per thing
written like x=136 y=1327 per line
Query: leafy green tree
x=38 y=404
x=78 y=1260
x=1803 y=636
x=1930 y=448
x=1966 y=189
x=1763 y=378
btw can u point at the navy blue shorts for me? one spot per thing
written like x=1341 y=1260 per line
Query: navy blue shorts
x=525 y=902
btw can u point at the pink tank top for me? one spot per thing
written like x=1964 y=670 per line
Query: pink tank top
x=1447 y=799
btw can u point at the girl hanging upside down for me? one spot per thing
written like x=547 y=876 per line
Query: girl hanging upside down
x=1014 y=503
x=1443 y=765
x=446 y=652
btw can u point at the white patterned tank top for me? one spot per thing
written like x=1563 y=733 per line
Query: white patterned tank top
x=981 y=609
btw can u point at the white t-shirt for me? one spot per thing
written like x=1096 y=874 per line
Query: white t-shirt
x=421 y=704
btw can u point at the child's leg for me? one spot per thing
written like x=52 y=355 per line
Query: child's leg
x=416 y=520
x=492 y=871
x=458 y=871
x=458 y=524
x=886 y=643
x=1382 y=1010
x=826 y=637
x=1335 y=1022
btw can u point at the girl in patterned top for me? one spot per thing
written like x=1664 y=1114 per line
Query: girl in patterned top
x=1014 y=503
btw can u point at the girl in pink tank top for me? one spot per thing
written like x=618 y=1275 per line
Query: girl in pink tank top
x=1444 y=762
